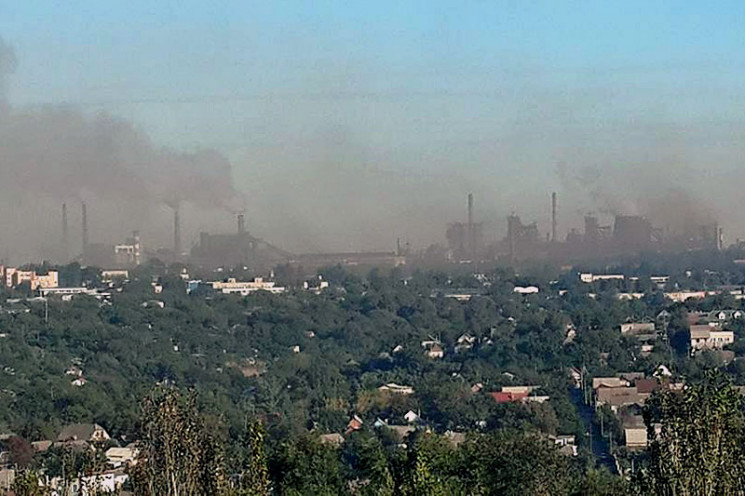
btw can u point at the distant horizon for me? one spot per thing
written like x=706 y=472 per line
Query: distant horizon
x=349 y=126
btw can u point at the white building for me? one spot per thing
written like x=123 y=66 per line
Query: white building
x=232 y=286
x=704 y=337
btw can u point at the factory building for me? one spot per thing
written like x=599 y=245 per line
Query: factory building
x=13 y=277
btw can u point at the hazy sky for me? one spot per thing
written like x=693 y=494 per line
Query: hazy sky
x=349 y=124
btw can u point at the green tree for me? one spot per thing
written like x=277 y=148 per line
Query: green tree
x=700 y=450
x=179 y=455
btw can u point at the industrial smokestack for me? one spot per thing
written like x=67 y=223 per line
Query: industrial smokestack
x=470 y=234
x=241 y=224
x=176 y=231
x=553 y=217
x=65 y=239
x=85 y=228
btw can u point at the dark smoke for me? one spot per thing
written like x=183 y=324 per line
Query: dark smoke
x=58 y=154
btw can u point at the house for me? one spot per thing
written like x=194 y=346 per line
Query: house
x=465 y=342
x=401 y=432
x=41 y=446
x=618 y=397
x=567 y=444
x=706 y=337
x=662 y=371
x=507 y=397
x=411 y=417
x=525 y=290
x=634 y=328
x=117 y=457
x=74 y=371
x=396 y=388
x=519 y=389
x=334 y=439
x=636 y=437
x=398 y=349
x=89 y=433
x=435 y=351
x=609 y=382
x=7 y=479
x=355 y=424
x=79 y=382
x=645 y=387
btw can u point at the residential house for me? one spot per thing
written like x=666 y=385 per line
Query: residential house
x=118 y=457
x=465 y=342
x=334 y=439
x=617 y=397
x=706 y=337
x=567 y=444
x=435 y=351
x=79 y=382
x=411 y=417
x=89 y=433
x=636 y=437
x=507 y=397
x=396 y=388
x=355 y=424
x=634 y=328
x=609 y=382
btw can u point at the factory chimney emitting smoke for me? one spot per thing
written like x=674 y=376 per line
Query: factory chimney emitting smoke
x=241 y=224
x=176 y=232
x=470 y=233
x=65 y=238
x=85 y=228
x=553 y=217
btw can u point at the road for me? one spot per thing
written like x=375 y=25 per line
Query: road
x=598 y=444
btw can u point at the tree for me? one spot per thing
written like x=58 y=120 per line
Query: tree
x=699 y=450
x=179 y=456
x=255 y=475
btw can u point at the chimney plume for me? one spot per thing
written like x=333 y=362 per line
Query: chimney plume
x=241 y=224
x=176 y=232
x=553 y=217
x=470 y=233
x=65 y=239
x=85 y=228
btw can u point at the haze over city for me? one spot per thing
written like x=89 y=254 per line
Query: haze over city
x=346 y=127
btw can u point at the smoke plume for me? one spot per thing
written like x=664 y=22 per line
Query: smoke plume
x=59 y=154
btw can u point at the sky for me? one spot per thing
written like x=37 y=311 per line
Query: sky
x=351 y=124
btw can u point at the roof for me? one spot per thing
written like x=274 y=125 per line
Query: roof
x=333 y=439
x=636 y=436
x=619 y=396
x=700 y=331
x=608 y=382
x=41 y=446
x=502 y=397
x=78 y=432
x=647 y=386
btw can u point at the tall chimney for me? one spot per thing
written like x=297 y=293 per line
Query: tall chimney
x=553 y=217
x=65 y=239
x=470 y=225
x=85 y=228
x=176 y=232
x=241 y=224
